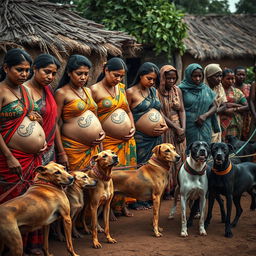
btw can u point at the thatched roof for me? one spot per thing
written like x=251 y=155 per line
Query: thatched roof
x=54 y=28
x=218 y=36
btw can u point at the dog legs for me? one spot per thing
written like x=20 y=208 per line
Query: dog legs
x=94 y=216
x=239 y=210
x=202 y=231
x=184 y=230
x=46 y=240
x=156 y=209
x=228 y=232
x=210 y=207
x=175 y=201
x=106 y=222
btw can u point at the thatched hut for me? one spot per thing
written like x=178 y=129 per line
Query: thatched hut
x=229 y=40
x=39 y=26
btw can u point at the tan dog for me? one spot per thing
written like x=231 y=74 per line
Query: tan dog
x=102 y=194
x=42 y=204
x=75 y=194
x=149 y=181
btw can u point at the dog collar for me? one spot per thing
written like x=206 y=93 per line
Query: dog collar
x=161 y=163
x=191 y=171
x=45 y=182
x=224 y=172
x=100 y=175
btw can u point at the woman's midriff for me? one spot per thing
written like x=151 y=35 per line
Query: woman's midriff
x=149 y=121
x=118 y=124
x=29 y=137
x=85 y=128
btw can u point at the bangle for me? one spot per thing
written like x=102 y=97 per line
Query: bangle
x=62 y=153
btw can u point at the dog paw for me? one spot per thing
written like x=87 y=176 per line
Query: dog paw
x=111 y=240
x=97 y=245
x=184 y=233
x=228 y=233
x=202 y=232
x=158 y=234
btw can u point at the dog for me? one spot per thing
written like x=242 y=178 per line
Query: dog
x=43 y=203
x=75 y=194
x=102 y=194
x=149 y=181
x=193 y=184
x=249 y=149
x=230 y=180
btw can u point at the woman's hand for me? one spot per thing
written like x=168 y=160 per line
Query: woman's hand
x=200 y=120
x=130 y=135
x=158 y=131
x=100 y=139
x=44 y=147
x=14 y=165
x=63 y=159
x=35 y=116
x=181 y=135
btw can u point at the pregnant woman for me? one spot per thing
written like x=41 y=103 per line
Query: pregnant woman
x=80 y=129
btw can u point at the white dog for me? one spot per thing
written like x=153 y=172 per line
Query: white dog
x=193 y=184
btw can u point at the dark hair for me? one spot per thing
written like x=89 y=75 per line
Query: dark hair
x=145 y=69
x=74 y=62
x=12 y=58
x=239 y=68
x=227 y=71
x=43 y=60
x=112 y=65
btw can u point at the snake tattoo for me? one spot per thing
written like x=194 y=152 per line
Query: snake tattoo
x=118 y=119
x=85 y=122
x=28 y=131
x=154 y=117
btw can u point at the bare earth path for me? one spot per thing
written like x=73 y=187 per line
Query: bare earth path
x=135 y=237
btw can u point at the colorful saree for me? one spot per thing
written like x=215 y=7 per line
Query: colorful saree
x=232 y=124
x=79 y=155
x=48 y=110
x=145 y=143
x=197 y=99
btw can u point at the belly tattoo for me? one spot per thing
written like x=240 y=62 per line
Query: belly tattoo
x=27 y=131
x=118 y=119
x=85 y=122
x=154 y=117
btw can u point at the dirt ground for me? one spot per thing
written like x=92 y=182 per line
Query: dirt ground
x=134 y=237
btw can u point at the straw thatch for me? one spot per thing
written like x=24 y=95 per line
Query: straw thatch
x=218 y=36
x=55 y=29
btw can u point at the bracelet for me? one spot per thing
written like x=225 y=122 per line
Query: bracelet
x=63 y=153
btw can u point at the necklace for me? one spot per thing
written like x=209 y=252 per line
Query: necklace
x=77 y=94
x=113 y=96
x=143 y=95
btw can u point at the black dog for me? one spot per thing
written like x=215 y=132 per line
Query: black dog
x=231 y=181
x=250 y=148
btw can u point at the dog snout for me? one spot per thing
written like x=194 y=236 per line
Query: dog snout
x=177 y=158
x=202 y=152
x=71 y=179
x=219 y=156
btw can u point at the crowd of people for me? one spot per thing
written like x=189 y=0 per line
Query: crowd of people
x=72 y=122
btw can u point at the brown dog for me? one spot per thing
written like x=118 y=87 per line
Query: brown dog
x=75 y=194
x=102 y=194
x=43 y=203
x=149 y=181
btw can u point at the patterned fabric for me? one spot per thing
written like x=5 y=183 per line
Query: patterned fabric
x=232 y=124
x=171 y=104
x=145 y=143
x=79 y=155
x=197 y=99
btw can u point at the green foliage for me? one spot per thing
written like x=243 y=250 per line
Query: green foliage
x=246 y=6
x=151 y=22
x=250 y=75
x=219 y=7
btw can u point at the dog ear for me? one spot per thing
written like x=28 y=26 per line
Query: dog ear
x=231 y=148
x=93 y=160
x=40 y=169
x=188 y=148
x=156 y=149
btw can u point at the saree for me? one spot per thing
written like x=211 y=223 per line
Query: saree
x=79 y=155
x=171 y=105
x=197 y=99
x=232 y=124
x=145 y=143
x=125 y=150
x=48 y=110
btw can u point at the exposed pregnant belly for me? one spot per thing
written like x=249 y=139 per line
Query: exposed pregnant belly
x=85 y=128
x=149 y=121
x=29 y=137
x=118 y=124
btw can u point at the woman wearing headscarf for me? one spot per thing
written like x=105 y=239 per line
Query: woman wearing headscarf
x=174 y=113
x=200 y=105
x=213 y=75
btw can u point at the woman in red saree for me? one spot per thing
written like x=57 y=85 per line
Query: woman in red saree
x=45 y=68
x=22 y=138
